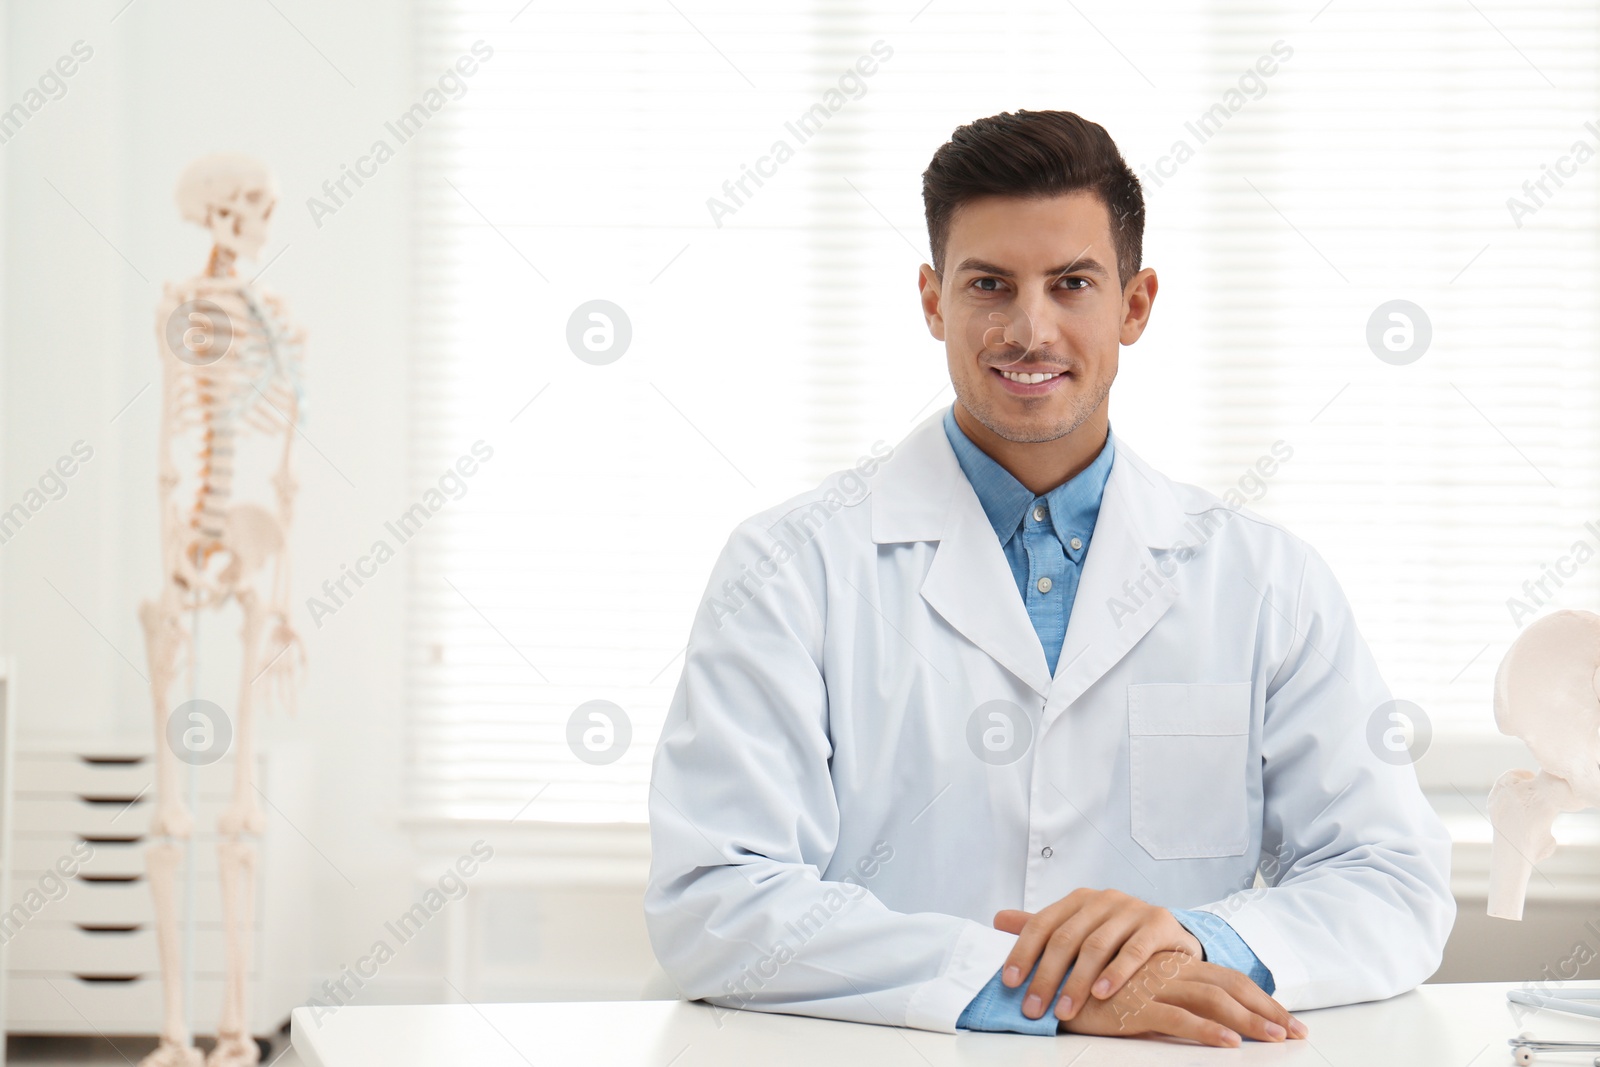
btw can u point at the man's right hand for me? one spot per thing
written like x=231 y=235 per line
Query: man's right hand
x=1180 y=996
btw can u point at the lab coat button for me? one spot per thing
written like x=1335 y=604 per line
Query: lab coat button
x=1038 y=513
x=1044 y=585
x=1047 y=852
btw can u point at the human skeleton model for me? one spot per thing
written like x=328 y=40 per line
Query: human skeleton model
x=1547 y=692
x=230 y=362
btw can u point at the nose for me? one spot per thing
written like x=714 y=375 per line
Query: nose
x=1030 y=322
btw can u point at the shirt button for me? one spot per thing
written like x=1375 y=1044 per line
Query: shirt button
x=1076 y=543
x=1038 y=513
x=1044 y=585
x=1047 y=852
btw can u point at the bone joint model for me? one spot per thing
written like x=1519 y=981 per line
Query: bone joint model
x=230 y=395
x=1547 y=692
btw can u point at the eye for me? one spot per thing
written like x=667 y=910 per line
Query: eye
x=1083 y=283
x=987 y=285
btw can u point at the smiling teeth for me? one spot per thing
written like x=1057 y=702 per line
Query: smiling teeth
x=1030 y=379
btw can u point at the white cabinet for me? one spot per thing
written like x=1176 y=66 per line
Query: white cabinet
x=81 y=949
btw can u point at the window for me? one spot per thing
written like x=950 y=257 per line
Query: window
x=607 y=154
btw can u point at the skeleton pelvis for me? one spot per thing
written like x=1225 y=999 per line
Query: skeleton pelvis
x=249 y=537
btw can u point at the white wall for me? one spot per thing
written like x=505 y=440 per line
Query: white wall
x=170 y=80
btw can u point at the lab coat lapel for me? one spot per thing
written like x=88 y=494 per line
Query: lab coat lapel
x=923 y=495
x=1138 y=513
x=971 y=585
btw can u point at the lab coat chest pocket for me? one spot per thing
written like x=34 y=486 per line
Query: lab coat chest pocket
x=1188 y=746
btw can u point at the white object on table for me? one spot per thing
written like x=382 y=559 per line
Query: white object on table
x=1547 y=692
x=1433 y=1026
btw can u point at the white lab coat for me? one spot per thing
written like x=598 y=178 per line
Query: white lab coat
x=827 y=840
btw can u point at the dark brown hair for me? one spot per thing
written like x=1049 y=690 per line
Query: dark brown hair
x=1034 y=154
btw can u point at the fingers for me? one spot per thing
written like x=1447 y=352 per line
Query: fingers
x=1255 y=999
x=1011 y=920
x=1066 y=945
x=1092 y=942
x=1031 y=938
x=1144 y=942
x=1156 y=1017
x=1214 y=1003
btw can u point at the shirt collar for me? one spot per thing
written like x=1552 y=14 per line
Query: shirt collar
x=1074 y=505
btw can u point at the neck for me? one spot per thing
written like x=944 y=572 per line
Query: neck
x=1040 y=465
x=221 y=263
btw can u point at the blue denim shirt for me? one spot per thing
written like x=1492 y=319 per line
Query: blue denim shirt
x=1045 y=539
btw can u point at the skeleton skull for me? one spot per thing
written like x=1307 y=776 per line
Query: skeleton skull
x=1547 y=692
x=233 y=196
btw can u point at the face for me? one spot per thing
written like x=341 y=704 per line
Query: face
x=1031 y=313
x=240 y=224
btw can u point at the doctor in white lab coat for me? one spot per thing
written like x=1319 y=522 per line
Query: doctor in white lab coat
x=867 y=757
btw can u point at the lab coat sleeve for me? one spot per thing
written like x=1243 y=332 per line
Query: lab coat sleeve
x=1357 y=902
x=743 y=821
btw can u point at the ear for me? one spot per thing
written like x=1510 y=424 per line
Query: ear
x=928 y=283
x=1137 y=299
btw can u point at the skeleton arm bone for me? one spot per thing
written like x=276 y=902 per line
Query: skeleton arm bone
x=285 y=650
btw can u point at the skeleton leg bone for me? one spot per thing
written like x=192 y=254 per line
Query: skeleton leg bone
x=237 y=856
x=161 y=862
x=164 y=637
x=235 y=1046
x=171 y=825
x=1522 y=808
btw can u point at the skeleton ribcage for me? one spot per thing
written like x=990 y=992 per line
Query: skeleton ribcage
x=251 y=393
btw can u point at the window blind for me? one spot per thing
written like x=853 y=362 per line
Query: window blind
x=607 y=154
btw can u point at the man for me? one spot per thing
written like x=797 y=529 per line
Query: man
x=1010 y=707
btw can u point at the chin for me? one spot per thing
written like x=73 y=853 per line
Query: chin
x=1033 y=433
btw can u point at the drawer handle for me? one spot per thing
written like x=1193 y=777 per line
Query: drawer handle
x=123 y=801
x=108 y=979
x=112 y=761
x=109 y=878
x=111 y=839
x=106 y=928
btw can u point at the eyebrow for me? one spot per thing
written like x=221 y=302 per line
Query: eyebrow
x=1081 y=265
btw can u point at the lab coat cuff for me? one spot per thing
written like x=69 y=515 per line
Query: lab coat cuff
x=978 y=953
x=1243 y=912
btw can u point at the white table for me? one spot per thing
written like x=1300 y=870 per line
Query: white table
x=1434 y=1026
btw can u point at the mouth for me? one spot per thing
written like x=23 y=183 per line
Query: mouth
x=1030 y=383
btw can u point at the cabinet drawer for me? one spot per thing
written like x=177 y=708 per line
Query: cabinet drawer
x=60 y=950
x=61 y=773
x=109 y=814
x=69 y=1005
x=83 y=902
x=32 y=856
x=63 y=949
x=104 y=814
x=61 y=1003
x=66 y=773
x=97 y=903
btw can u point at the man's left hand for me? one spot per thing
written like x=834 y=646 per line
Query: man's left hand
x=1104 y=935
